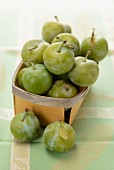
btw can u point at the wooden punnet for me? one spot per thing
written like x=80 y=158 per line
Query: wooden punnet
x=47 y=109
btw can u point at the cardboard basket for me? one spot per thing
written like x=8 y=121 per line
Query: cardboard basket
x=47 y=109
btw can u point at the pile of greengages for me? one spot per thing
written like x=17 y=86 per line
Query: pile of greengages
x=56 y=67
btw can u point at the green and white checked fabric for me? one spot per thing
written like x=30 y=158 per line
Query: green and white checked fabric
x=94 y=124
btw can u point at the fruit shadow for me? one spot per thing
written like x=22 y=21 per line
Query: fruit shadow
x=59 y=155
x=39 y=139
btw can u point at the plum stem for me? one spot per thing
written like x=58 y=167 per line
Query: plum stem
x=32 y=64
x=93 y=33
x=65 y=43
x=69 y=46
x=87 y=54
x=26 y=113
x=33 y=48
x=56 y=17
x=92 y=37
x=66 y=87
x=60 y=39
x=27 y=110
x=59 y=50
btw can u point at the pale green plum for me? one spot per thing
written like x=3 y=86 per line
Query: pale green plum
x=25 y=126
x=71 y=40
x=20 y=77
x=59 y=136
x=97 y=45
x=62 y=89
x=37 y=79
x=85 y=72
x=67 y=28
x=58 y=59
x=50 y=30
x=33 y=51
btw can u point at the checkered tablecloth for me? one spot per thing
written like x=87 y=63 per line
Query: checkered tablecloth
x=21 y=21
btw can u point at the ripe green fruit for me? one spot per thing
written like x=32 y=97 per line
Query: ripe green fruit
x=71 y=40
x=97 y=45
x=58 y=58
x=37 y=79
x=67 y=28
x=62 y=89
x=20 y=77
x=85 y=72
x=25 y=126
x=59 y=136
x=33 y=51
x=52 y=29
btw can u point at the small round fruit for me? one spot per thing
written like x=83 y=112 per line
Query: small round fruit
x=33 y=51
x=37 y=79
x=85 y=72
x=97 y=45
x=62 y=89
x=59 y=136
x=25 y=126
x=71 y=40
x=58 y=59
x=50 y=30
x=67 y=28
x=20 y=77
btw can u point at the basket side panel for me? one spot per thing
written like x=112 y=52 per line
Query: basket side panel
x=74 y=111
x=45 y=114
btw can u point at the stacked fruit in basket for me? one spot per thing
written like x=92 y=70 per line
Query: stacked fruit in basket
x=56 y=66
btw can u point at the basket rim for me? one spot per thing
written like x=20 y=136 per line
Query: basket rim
x=45 y=100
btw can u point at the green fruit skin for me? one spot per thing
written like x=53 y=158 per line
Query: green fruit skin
x=37 y=80
x=50 y=30
x=98 y=51
x=71 y=40
x=53 y=140
x=84 y=74
x=20 y=77
x=26 y=130
x=58 y=63
x=35 y=55
x=67 y=28
x=62 y=89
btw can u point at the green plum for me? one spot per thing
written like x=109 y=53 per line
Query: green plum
x=33 y=51
x=62 y=89
x=71 y=40
x=20 y=77
x=67 y=28
x=58 y=58
x=25 y=126
x=85 y=72
x=37 y=79
x=59 y=136
x=97 y=45
x=52 y=29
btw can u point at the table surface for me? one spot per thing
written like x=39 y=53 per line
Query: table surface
x=21 y=21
